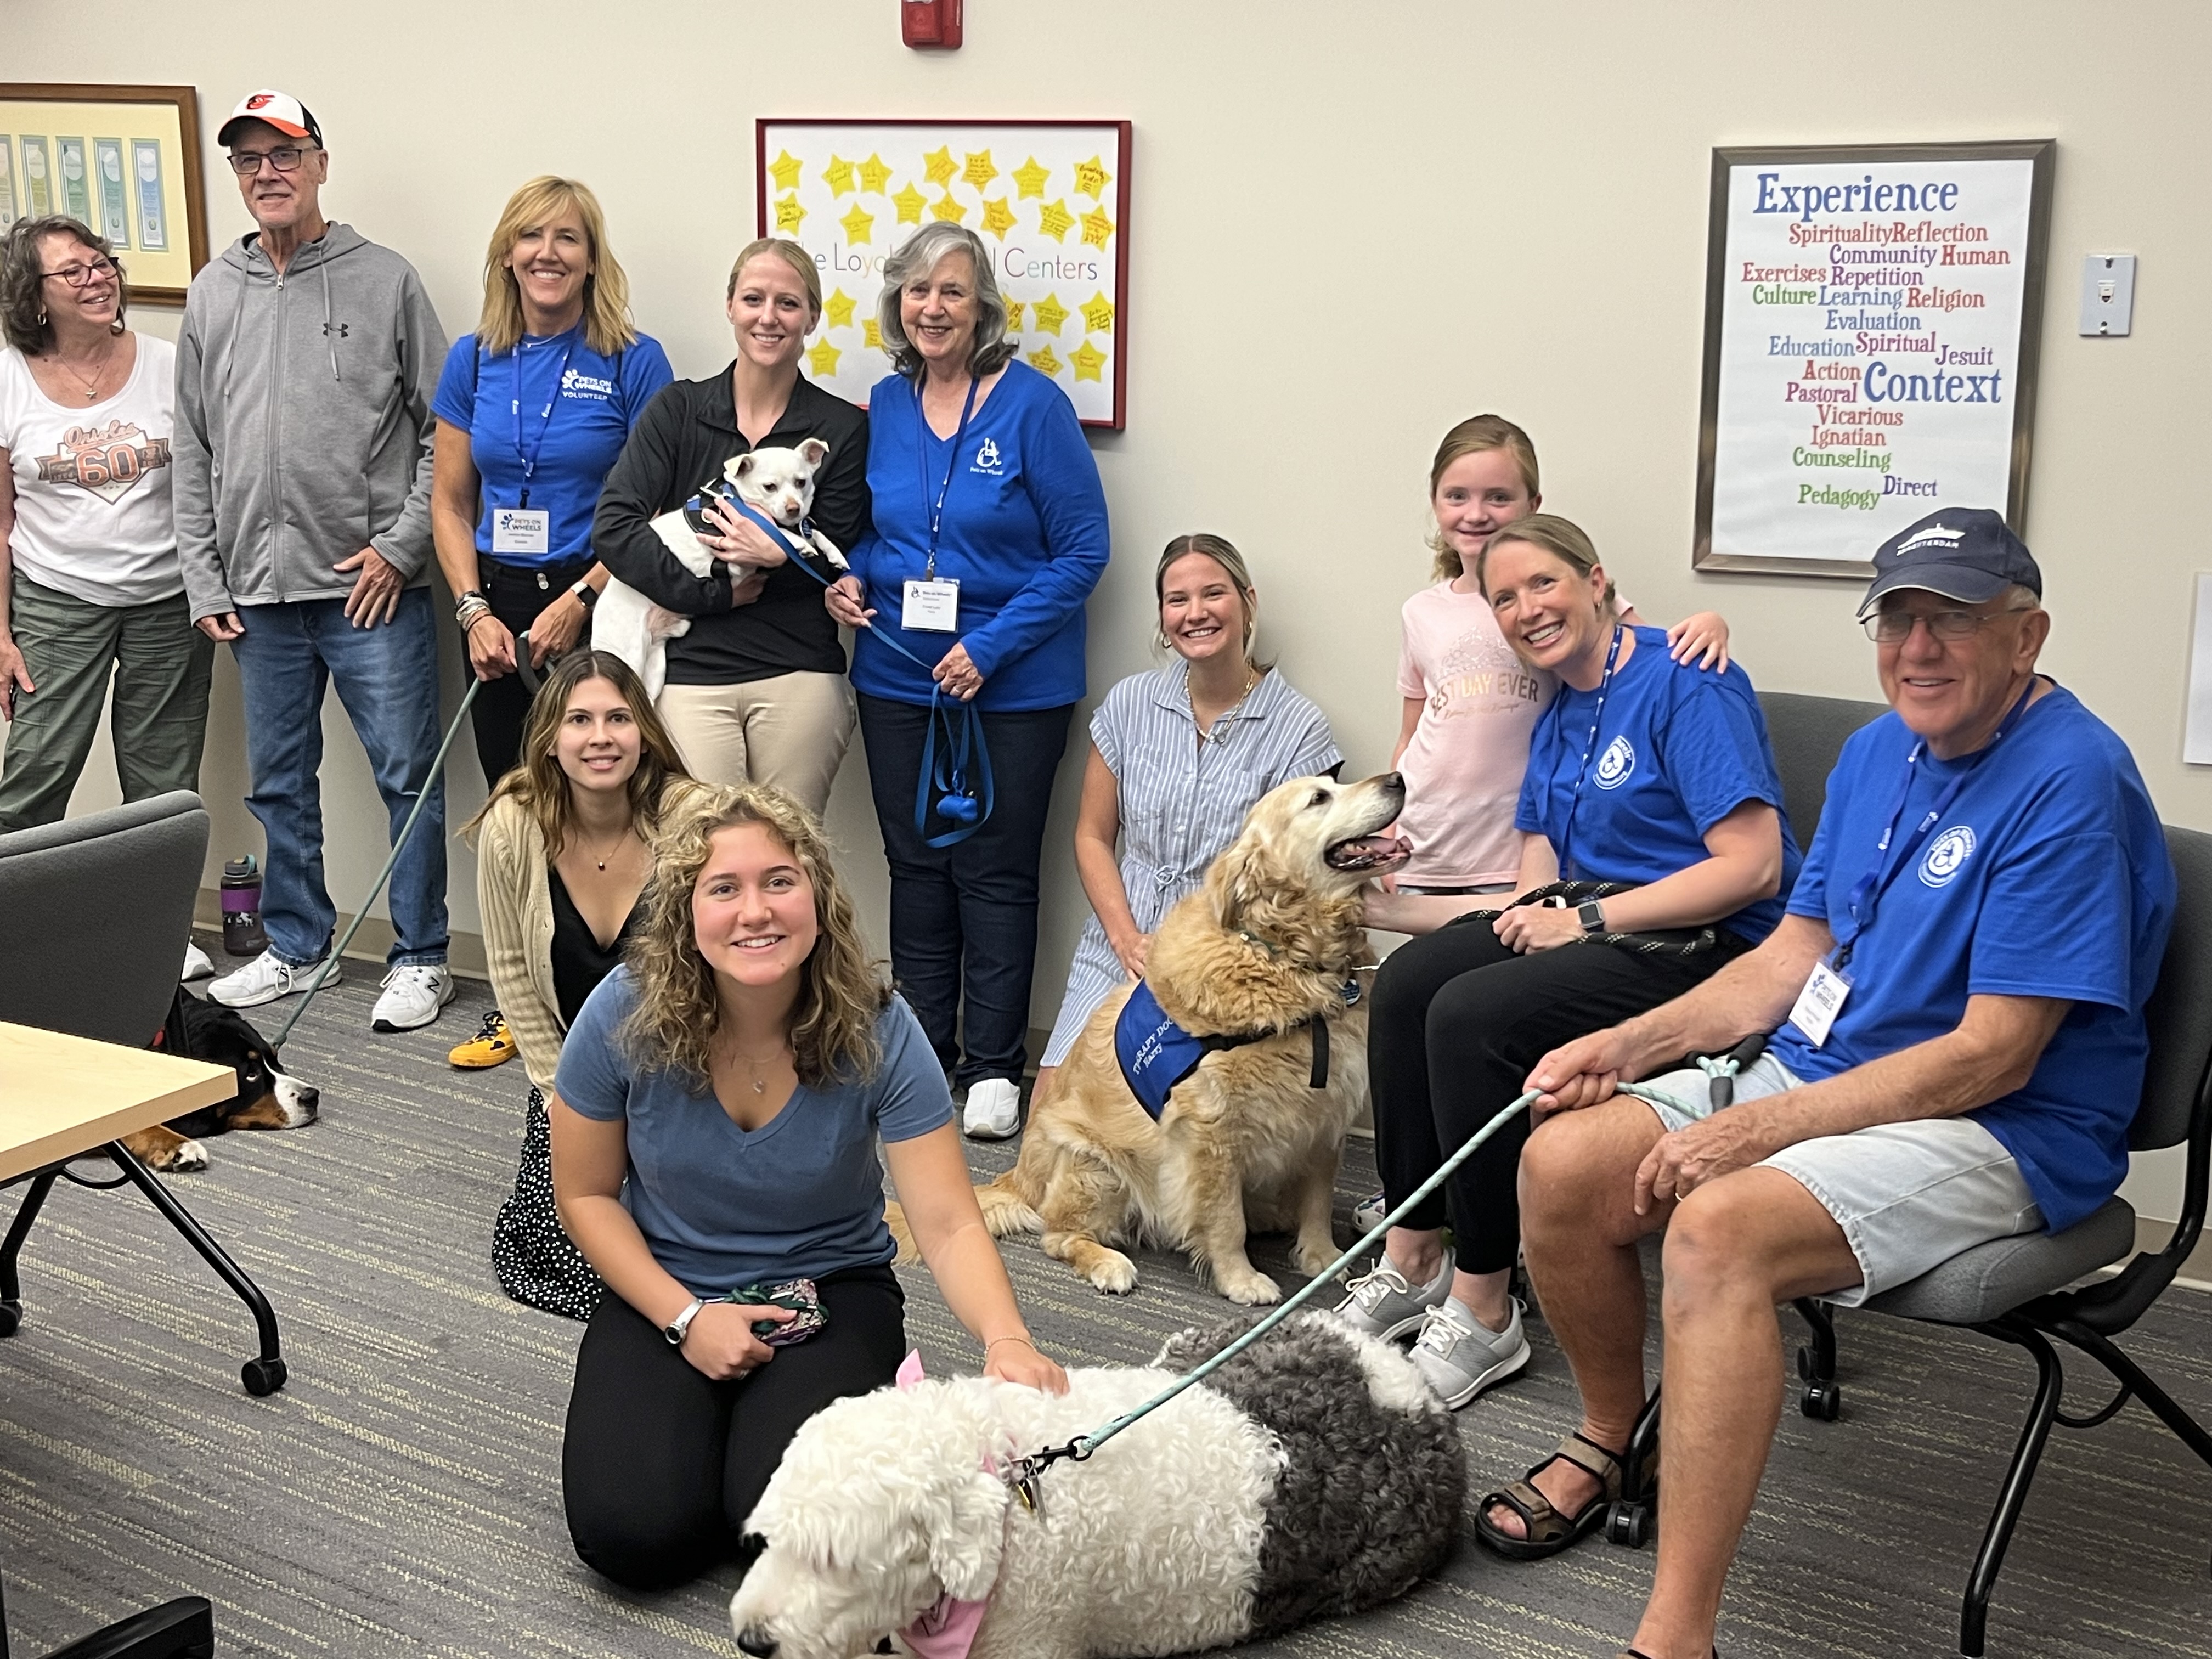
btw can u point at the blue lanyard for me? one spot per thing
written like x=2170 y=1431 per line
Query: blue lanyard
x=1865 y=893
x=922 y=433
x=1589 y=746
x=529 y=457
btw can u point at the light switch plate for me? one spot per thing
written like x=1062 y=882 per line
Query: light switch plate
x=2108 y=292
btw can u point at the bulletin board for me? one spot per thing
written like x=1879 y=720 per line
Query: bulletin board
x=1049 y=199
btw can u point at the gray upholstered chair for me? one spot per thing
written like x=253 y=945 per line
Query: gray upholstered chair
x=1807 y=734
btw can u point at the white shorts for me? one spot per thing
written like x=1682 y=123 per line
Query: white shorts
x=1909 y=1196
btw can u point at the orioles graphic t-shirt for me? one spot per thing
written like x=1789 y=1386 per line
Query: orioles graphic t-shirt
x=93 y=518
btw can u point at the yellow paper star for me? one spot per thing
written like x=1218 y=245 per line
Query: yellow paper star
x=1044 y=363
x=1098 y=315
x=838 y=175
x=859 y=225
x=874 y=175
x=948 y=208
x=871 y=334
x=788 y=213
x=979 y=170
x=1096 y=228
x=1013 y=316
x=909 y=202
x=1054 y=219
x=838 y=309
x=1029 y=177
x=821 y=359
x=997 y=217
x=1091 y=179
x=1088 y=360
x=785 y=171
x=1050 y=312
x=938 y=167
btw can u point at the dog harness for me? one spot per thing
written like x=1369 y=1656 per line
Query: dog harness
x=1156 y=1054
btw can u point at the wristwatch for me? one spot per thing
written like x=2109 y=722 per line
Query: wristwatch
x=1592 y=916
x=586 y=595
x=674 y=1328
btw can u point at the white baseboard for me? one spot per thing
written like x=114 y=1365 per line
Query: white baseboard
x=465 y=951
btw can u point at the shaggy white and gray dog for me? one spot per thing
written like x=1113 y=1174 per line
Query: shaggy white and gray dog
x=1315 y=1473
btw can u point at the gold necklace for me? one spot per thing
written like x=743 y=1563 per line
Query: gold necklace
x=620 y=837
x=91 y=386
x=1206 y=733
x=755 y=1067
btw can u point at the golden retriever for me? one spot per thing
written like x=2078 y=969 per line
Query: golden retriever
x=1269 y=945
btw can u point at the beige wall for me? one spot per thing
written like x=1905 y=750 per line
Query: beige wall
x=1351 y=226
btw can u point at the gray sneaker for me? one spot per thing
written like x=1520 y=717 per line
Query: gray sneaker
x=1460 y=1357
x=1383 y=1303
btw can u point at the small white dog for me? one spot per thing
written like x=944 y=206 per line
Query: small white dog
x=1315 y=1473
x=780 y=484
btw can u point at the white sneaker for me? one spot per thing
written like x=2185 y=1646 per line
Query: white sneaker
x=413 y=993
x=264 y=979
x=995 y=1109
x=1384 y=1303
x=197 y=964
x=1367 y=1214
x=1460 y=1357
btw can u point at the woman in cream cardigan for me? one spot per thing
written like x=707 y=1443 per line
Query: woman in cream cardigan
x=563 y=851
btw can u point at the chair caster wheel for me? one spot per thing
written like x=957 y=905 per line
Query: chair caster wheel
x=263 y=1377
x=1631 y=1526
x=1822 y=1401
x=11 y=1318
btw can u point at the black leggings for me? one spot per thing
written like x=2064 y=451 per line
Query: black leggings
x=1459 y=1021
x=517 y=594
x=659 y=1467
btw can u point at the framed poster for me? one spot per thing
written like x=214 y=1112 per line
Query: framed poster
x=1050 y=198
x=1872 y=314
x=123 y=160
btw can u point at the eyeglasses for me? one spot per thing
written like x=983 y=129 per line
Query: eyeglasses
x=1895 y=627
x=83 y=276
x=247 y=162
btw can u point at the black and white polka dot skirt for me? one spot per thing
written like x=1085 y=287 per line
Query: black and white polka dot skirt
x=530 y=1251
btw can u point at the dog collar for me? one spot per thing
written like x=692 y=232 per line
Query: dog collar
x=946 y=1630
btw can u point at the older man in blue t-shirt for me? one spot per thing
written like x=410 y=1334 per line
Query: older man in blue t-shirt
x=1940 y=1075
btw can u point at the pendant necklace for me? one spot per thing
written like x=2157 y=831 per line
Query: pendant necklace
x=760 y=1082
x=91 y=386
x=1207 y=734
x=612 y=848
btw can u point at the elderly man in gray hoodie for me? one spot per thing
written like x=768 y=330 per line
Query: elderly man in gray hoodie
x=305 y=374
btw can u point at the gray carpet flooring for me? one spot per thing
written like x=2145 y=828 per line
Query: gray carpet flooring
x=401 y=1496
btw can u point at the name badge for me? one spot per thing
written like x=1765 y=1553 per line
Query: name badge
x=931 y=607
x=1820 y=1002
x=521 y=529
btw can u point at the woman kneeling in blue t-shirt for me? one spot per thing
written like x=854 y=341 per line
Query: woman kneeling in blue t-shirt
x=1641 y=771
x=715 y=1128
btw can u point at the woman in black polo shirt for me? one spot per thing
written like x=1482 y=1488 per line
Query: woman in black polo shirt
x=756 y=690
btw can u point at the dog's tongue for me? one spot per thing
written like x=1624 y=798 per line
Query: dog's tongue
x=1371 y=849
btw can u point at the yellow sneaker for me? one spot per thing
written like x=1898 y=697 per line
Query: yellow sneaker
x=492 y=1045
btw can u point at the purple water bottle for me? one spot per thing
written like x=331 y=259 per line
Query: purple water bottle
x=242 y=908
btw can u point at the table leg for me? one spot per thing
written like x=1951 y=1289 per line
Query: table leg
x=11 y=1288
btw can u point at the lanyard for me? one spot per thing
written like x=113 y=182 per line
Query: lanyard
x=952 y=460
x=1589 y=745
x=1865 y=893
x=529 y=457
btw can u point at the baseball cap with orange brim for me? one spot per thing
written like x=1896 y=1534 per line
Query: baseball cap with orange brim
x=277 y=109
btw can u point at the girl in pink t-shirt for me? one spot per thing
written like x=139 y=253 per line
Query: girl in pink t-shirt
x=1470 y=704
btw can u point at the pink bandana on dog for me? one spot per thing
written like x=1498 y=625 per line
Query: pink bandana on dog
x=947 y=1629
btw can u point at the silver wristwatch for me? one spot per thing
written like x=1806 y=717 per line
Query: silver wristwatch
x=674 y=1328
x=1592 y=916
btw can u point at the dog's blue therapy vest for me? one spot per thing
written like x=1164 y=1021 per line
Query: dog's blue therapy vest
x=1156 y=1054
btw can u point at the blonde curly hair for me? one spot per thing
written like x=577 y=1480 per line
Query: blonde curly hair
x=843 y=991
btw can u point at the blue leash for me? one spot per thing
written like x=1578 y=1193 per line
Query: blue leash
x=957 y=774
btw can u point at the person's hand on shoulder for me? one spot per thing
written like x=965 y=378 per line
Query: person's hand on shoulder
x=720 y=1342
x=1016 y=1359
x=1702 y=639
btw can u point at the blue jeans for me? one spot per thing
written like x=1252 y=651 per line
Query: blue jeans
x=388 y=680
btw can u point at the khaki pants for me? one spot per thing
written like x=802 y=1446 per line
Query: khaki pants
x=790 y=731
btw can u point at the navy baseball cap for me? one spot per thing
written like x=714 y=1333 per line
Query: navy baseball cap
x=1968 y=555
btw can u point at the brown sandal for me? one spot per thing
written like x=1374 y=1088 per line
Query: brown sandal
x=1548 y=1531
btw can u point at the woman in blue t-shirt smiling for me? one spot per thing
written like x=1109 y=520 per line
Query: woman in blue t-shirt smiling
x=532 y=408
x=715 y=1119
x=990 y=532
x=1641 y=771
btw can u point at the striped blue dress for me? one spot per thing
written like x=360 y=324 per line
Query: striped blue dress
x=1183 y=801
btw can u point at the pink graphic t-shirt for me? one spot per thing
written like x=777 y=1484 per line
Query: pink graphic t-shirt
x=1463 y=767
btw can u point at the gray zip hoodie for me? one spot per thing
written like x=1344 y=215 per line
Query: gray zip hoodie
x=303 y=420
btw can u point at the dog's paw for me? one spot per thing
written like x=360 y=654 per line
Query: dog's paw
x=1113 y=1272
x=189 y=1158
x=1311 y=1257
x=1251 y=1287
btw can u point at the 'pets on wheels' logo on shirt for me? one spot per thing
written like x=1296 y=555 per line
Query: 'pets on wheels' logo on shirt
x=575 y=383
x=987 y=460
x=1616 y=764
x=1946 y=856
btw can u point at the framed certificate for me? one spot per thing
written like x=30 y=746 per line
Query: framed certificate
x=1872 y=314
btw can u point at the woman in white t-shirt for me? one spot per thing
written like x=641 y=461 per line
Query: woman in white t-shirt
x=89 y=584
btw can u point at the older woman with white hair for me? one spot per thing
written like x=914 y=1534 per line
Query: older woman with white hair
x=990 y=532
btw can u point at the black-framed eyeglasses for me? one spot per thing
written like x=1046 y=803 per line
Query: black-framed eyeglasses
x=1895 y=627
x=247 y=162
x=84 y=276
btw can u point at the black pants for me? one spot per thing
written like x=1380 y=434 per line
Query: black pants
x=659 y=1467
x=963 y=918
x=1458 y=1023
x=517 y=595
